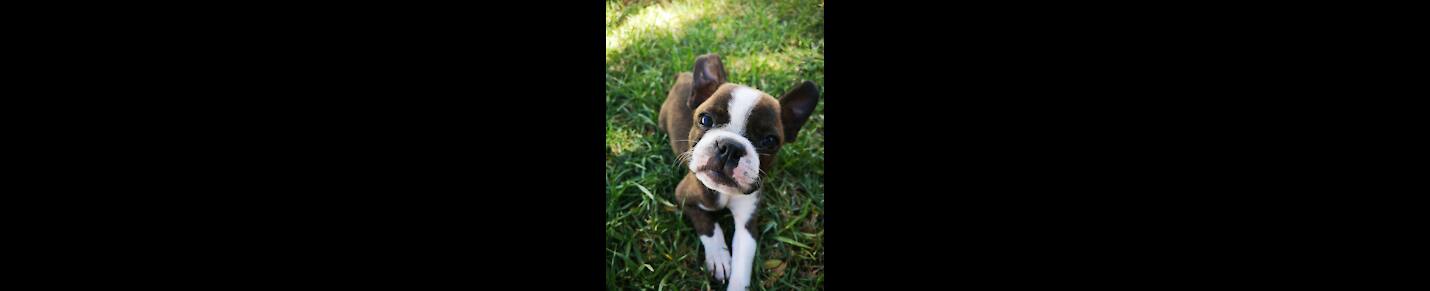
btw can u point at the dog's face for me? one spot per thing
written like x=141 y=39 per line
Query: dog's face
x=737 y=130
x=735 y=135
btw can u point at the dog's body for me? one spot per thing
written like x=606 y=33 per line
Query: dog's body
x=730 y=135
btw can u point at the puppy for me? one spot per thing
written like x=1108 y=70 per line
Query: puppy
x=730 y=135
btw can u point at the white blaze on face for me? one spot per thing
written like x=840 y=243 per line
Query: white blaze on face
x=742 y=102
x=747 y=172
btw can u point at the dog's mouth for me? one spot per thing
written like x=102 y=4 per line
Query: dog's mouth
x=721 y=175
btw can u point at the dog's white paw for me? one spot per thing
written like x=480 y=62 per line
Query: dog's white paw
x=717 y=260
x=717 y=254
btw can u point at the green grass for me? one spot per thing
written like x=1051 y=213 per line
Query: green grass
x=766 y=45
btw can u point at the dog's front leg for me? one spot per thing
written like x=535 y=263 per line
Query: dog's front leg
x=743 y=208
x=717 y=254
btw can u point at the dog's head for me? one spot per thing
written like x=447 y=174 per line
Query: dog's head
x=737 y=130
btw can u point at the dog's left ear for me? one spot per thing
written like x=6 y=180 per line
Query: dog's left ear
x=796 y=107
x=709 y=73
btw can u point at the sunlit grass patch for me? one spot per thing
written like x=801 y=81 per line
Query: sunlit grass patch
x=653 y=21
x=624 y=140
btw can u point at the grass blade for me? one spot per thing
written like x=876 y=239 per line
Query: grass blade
x=792 y=242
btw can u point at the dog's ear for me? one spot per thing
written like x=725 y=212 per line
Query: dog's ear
x=709 y=74
x=796 y=107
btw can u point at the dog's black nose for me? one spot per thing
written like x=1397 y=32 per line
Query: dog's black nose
x=729 y=152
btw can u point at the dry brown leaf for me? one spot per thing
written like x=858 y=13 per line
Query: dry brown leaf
x=775 y=275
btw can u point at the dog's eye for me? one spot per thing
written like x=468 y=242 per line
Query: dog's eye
x=706 y=121
x=769 y=141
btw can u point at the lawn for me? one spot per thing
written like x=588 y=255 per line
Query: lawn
x=769 y=45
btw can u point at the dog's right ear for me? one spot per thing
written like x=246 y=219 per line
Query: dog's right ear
x=709 y=74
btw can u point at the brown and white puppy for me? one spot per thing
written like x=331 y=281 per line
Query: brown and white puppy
x=730 y=134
